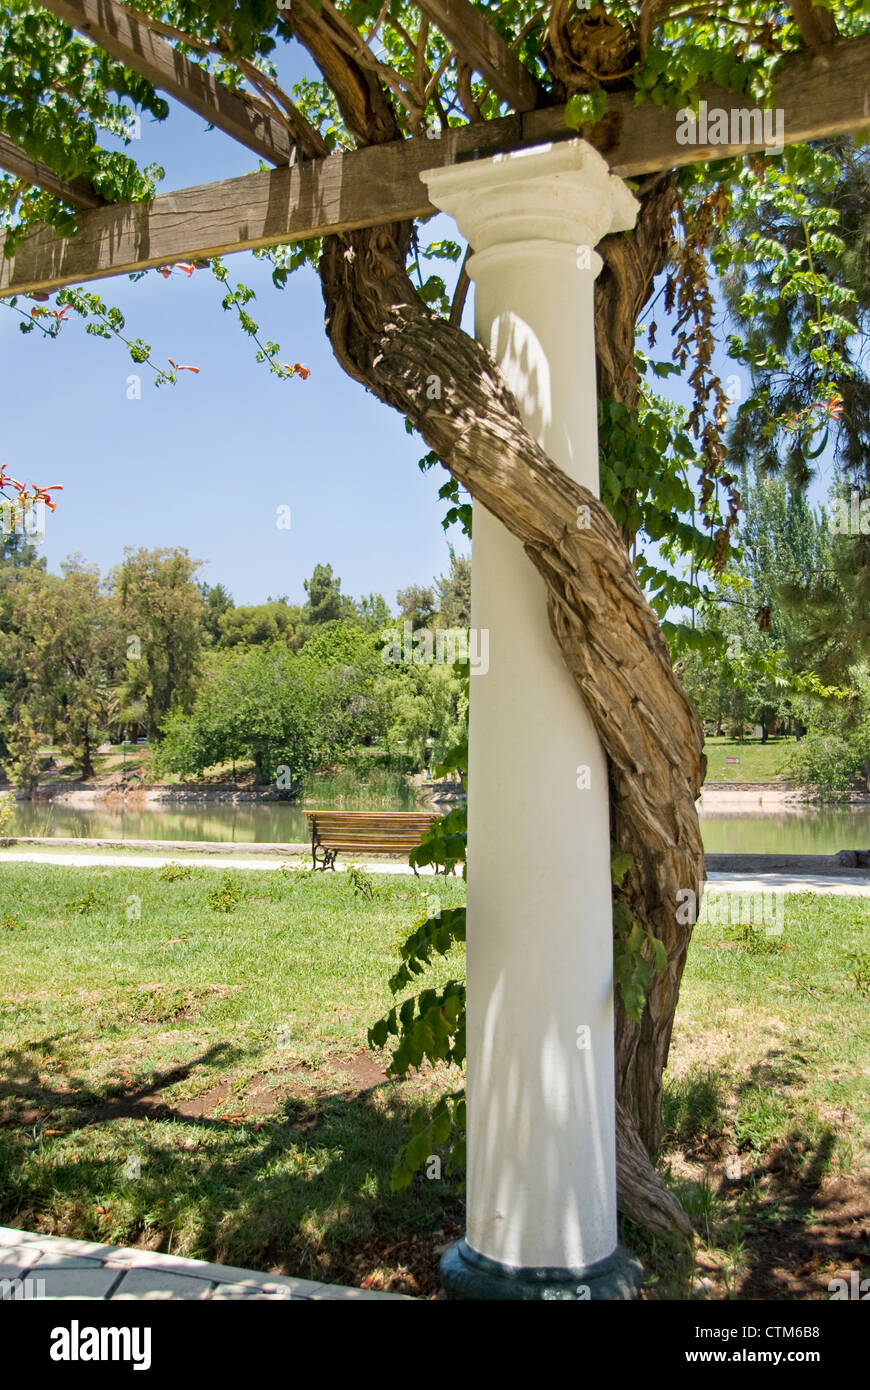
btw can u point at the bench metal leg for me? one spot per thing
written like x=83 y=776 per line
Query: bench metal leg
x=327 y=857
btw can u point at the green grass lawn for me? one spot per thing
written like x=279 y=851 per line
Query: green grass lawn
x=198 y=1082
x=767 y=1107
x=106 y=765
x=264 y=1010
x=759 y=762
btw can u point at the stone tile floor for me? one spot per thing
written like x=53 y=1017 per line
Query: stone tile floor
x=35 y=1266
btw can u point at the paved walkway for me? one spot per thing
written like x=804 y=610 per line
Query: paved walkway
x=792 y=883
x=156 y=861
x=856 y=887
x=33 y=1266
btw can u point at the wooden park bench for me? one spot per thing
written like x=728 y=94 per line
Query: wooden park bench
x=365 y=832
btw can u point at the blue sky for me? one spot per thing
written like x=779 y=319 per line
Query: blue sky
x=206 y=463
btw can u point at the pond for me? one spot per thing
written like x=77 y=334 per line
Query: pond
x=796 y=830
x=792 y=830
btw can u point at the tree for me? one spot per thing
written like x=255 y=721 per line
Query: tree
x=663 y=483
x=428 y=713
x=162 y=611
x=834 y=756
x=454 y=592
x=374 y=612
x=325 y=602
x=68 y=654
x=254 y=624
x=254 y=702
x=289 y=713
x=759 y=654
x=17 y=556
x=217 y=601
x=809 y=394
x=344 y=666
x=416 y=605
x=23 y=745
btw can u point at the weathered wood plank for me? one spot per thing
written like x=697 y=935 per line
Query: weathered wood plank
x=475 y=40
x=78 y=192
x=822 y=92
x=113 y=28
x=348 y=190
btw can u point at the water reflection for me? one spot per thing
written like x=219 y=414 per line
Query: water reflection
x=795 y=830
x=248 y=822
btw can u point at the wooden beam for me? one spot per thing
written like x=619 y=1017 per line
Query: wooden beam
x=353 y=189
x=114 y=29
x=820 y=93
x=78 y=193
x=468 y=31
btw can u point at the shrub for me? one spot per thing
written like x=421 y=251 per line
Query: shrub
x=88 y=901
x=833 y=765
x=228 y=895
x=363 y=884
x=170 y=873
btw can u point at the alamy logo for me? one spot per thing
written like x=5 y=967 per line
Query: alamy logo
x=739 y=126
x=27 y=520
x=20 y=1289
x=850 y=517
x=724 y=907
x=422 y=646
x=852 y=1288
x=76 y=1343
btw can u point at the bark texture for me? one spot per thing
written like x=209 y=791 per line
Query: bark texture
x=610 y=639
x=631 y=263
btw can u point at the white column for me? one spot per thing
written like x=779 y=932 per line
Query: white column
x=541 y=1146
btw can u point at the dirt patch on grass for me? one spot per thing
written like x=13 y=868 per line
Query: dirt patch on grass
x=408 y=1266
x=777 y=1227
x=162 y=1003
x=816 y=1238
x=266 y=1092
x=223 y=1103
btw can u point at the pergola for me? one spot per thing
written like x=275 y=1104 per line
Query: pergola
x=533 y=197
x=822 y=91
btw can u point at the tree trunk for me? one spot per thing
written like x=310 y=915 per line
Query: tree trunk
x=87 y=763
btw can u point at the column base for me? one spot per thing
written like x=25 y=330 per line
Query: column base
x=466 y=1274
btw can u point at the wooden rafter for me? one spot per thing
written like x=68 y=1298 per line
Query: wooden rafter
x=821 y=92
x=114 y=29
x=78 y=192
x=474 y=39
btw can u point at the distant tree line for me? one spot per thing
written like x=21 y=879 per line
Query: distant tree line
x=783 y=636
x=151 y=650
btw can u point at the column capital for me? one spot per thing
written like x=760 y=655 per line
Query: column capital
x=560 y=192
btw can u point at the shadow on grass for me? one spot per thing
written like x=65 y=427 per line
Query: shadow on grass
x=782 y=1223
x=21 y=1089
x=304 y=1190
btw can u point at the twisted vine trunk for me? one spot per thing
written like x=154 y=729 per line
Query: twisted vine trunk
x=610 y=640
x=385 y=337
